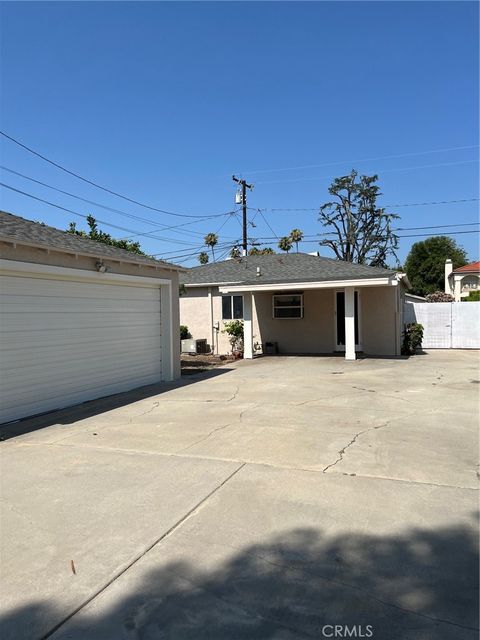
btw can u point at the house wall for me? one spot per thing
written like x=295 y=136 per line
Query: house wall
x=380 y=320
x=59 y=259
x=314 y=333
x=380 y=315
x=200 y=313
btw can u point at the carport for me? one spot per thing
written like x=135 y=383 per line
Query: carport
x=349 y=316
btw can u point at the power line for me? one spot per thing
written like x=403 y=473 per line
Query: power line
x=413 y=235
x=81 y=215
x=94 y=184
x=381 y=171
x=268 y=225
x=119 y=211
x=409 y=204
x=310 y=237
x=389 y=157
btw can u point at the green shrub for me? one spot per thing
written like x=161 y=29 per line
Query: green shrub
x=184 y=332
x=412 y=338
x=234 y=330
x=473 y=296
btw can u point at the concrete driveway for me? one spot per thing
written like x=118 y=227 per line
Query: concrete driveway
x=274 y=499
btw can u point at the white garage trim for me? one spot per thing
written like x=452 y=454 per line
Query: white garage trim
x=79 y=342
x=35 y=270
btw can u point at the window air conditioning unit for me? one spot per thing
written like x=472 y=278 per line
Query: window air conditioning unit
x=194 y=347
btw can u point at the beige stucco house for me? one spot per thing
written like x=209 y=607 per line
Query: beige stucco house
x=296 y=303
x=462 y=281
x=79 y=319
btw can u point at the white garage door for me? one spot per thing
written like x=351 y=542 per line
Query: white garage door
x=64 y=341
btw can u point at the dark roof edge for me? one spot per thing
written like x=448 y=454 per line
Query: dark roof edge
x=127 y=257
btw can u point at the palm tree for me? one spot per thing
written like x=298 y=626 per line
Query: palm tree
x=235 y=252
x=296 y=236
x=203 y=257
x=285 y=243
x=211 y=239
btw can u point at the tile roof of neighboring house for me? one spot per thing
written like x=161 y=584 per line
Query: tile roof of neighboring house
x=473 y=267
x=16 y=229
x=280 y=268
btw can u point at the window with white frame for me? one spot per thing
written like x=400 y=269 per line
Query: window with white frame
x=288 y=305
x=232 y=307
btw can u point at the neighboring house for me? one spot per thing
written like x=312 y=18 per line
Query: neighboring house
x=80 y=319
x=462 y=281
x=298 y=302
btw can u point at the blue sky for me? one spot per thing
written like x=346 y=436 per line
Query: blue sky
x=162 y=102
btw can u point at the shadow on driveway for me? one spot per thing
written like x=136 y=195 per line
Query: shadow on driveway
x=299 y=584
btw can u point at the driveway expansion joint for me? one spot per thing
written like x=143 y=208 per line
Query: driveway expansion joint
x=168 y=533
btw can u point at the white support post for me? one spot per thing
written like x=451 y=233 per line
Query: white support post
x=457 y=292
x=167 y=332
x=350 y=323
x=247 y=326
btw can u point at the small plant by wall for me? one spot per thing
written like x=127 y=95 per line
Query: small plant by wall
x=412 y=338
x=234 y=330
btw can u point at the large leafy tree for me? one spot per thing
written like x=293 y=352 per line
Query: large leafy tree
x=425 y=264
x=96 y=234
x=362 y=230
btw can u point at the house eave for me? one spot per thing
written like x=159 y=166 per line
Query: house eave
x=100 y=255
x=325 y=284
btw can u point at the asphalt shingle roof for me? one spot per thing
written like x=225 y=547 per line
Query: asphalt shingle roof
x=280 y=268
x=16 y=229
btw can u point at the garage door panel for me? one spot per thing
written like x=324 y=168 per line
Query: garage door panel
x=49 y=288
x=42 y=355
x=65 y=341
x=57 y=385
x=65 y=398
x=44 y=322
x=29 y=367
x=71 y=337
x=57 y=305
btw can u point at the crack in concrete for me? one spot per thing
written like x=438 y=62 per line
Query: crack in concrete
x=205 y=437
x=341 y=453
x=235 y=393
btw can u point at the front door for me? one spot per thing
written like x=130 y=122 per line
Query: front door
x=340 y=322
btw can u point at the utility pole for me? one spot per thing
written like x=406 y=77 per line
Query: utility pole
x=244 y=186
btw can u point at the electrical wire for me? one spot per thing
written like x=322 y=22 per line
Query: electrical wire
x=338 y=162
x=381 y=171
x=81 y=215
x=409 y=204
x=98 y=186
x=119 y=211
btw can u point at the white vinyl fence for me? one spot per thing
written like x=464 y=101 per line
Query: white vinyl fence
x=447 y=325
